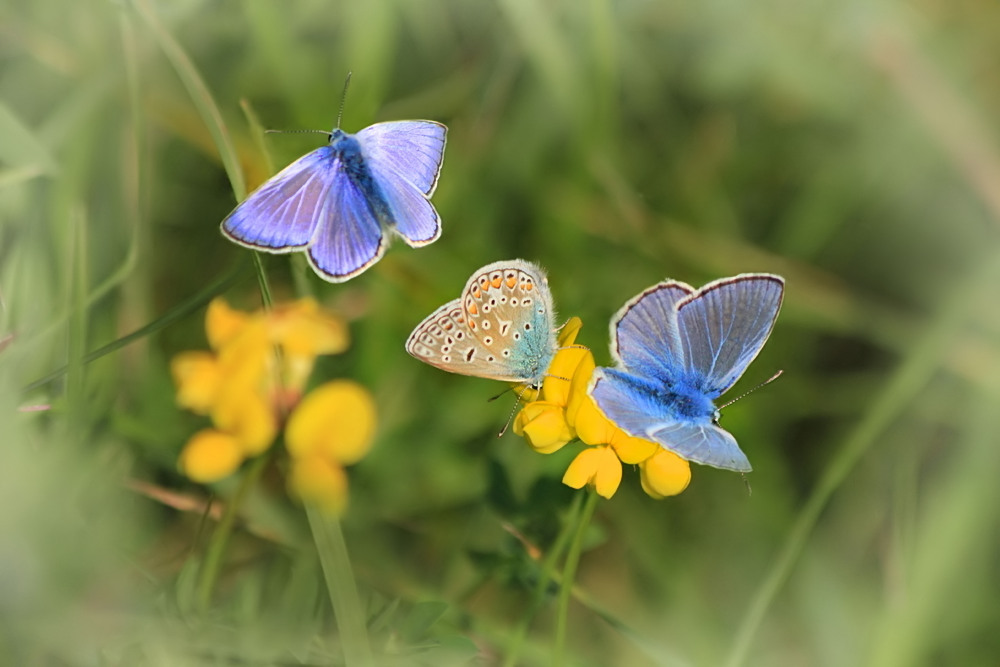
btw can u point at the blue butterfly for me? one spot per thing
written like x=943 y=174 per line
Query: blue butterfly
x=338 y=202
x=677 y=350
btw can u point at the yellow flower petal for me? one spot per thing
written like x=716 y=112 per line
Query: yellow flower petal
x=664 y=474
x=245 y=358
x=597 y=466
x=544 y=426
x=630 y=449
x=210 y=455
x=197 y=376
x=301 y=328
x=556 y=386
x=317 y=480
x=591 y=425
x=578 y=387
x=222 y=323
x=335 y=420
x=569 y=331
x=248 y=418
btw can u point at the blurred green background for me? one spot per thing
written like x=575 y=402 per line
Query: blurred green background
x=849 y=146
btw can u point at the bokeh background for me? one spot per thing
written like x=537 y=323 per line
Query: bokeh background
x=850 y=146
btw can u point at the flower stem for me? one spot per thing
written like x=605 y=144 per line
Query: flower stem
x=568 y=575
x=220 y=536
x=341 y=587
x=545 y=576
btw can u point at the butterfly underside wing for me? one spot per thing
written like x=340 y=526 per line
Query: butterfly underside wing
x=502 y=326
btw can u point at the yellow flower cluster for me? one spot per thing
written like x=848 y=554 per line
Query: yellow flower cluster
x=562 y=410
x=250 y=385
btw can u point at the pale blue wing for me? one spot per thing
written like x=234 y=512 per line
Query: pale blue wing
x=644 y=336
x=724 y=325
x=282 y=214
x=636 y=407
x=413 y=216
x=348 y=238
x=702 y=443
x=411 y=149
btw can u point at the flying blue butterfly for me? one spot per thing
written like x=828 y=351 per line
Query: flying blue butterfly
x=677 y=350
x=502 y=327
x=338 y=202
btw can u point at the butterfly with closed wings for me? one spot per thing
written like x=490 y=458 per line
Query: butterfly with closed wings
x=339 y=202
x=502 y=326
x=678 y=349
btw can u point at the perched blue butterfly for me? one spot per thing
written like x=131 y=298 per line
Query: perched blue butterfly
x=338 y=202
x=502 y=327
x=678 y=349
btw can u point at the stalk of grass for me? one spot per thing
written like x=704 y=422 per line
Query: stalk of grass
x=545 y=576
x=568 y=576
x=914 y=373
x=341 y=586
x=200 y=96
x=954 y=533
x=209 y=572
x=176 y=313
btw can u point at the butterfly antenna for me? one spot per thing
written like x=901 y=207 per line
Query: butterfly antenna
x=297 y=132
x=747 y=393
x=747 y=482
x=343 y=98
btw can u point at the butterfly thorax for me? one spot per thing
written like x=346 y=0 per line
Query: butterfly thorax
x=346 y=149
x=679 y=398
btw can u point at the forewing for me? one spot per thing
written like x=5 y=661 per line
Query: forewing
x=724 y=325
x=509 y=310
x=282 y=214
x=411 y=149
x=348 y=238
x=644 y=336
x=637 y=411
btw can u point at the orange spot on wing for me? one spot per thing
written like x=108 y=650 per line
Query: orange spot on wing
x=496 y=282
x=511 y=281
x=473 y=310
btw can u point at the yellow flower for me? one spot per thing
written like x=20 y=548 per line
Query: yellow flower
x=254 y=377
x=543 y=425
x=564 y=410
x=664 y=474
x=336 y=420
x=598 y=466
x=333 y=426
x=317 y=480
x=210 y=455
x=197 y=377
